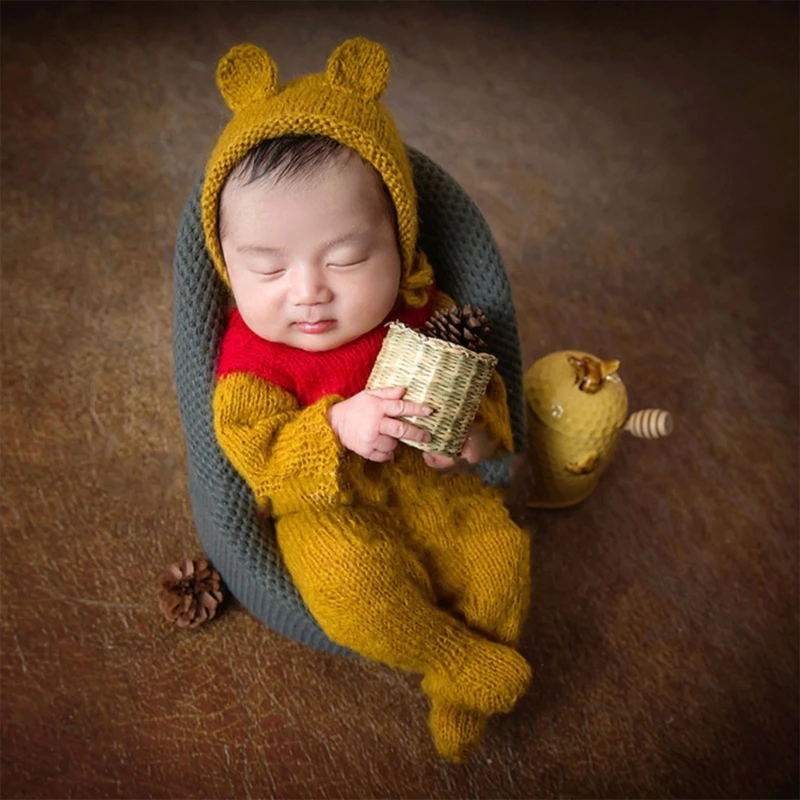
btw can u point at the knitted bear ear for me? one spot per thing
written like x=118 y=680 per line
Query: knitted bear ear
x=361 y=67
x=246 y=73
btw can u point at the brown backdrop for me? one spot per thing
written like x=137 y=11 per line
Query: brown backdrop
x=639 y=166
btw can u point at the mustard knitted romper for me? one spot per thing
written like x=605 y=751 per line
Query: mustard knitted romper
x=421 y=571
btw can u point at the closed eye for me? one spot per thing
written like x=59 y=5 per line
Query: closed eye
x=349 y=264
x=272 y=274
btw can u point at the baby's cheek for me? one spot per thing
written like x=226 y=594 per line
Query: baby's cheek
x=368 y=310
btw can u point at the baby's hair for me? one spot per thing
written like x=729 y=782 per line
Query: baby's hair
x=291 y=156
x=286 y=157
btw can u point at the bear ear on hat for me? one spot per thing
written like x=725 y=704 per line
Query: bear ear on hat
x=361 y=67
x=246 y=73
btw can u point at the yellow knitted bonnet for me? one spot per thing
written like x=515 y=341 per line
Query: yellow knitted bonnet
x=342 y=103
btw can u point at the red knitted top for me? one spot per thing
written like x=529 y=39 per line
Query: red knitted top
x=309 y=375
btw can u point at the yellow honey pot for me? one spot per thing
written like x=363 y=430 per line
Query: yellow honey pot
x=577 y=408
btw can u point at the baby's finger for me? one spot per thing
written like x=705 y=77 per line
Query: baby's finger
x=380 y=456
x=405 y=408
x=387 y=392
x=438 y=461
x=471 y=451
x=384 y=444
x=401 y=429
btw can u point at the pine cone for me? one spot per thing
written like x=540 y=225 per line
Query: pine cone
x=189 y=592
x=462 y=326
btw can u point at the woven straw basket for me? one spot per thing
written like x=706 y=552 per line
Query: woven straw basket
x=446 y=377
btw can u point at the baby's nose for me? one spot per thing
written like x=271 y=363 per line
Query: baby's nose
x=309 y=286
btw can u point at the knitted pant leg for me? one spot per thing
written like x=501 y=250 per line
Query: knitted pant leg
x=494 y=568
x=370 y=593
x=480 y=561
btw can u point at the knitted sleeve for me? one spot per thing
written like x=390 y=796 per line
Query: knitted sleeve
x=494 y=415
x=493 y=412
x=277 y=447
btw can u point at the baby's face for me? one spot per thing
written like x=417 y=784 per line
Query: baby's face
x=313 y=261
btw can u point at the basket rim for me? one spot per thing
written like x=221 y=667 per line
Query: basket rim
x=440 y=344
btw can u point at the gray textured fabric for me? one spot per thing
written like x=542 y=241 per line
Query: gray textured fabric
x=240 y=542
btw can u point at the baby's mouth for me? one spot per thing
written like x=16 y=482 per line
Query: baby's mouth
x=321 y=326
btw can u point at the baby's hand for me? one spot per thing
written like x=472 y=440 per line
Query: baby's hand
x=366 y=424
x=477 y=447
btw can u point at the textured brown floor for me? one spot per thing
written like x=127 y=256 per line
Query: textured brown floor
x=639 y=167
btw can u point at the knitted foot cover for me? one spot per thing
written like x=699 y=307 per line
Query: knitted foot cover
x=456 y=730
x=490 y=679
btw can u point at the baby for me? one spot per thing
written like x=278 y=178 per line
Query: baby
x=309 y=213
